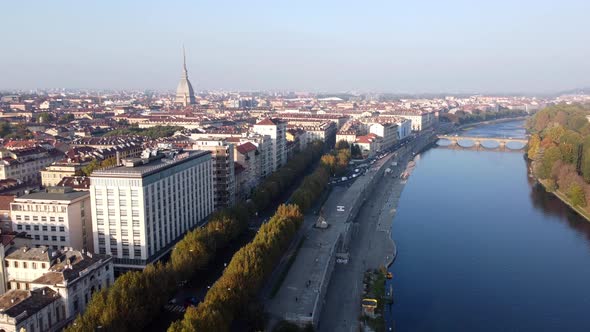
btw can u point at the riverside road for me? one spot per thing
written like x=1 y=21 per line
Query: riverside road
x=371 y=246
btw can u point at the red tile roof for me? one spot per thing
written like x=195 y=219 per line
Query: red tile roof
x=246 y=147
x=266 y=122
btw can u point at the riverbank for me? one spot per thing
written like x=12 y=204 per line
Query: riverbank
x=563 y=197
x=469 y=126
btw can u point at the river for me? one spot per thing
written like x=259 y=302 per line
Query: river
x=481 y=248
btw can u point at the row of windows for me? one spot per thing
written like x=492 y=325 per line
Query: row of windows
x=53 y=238
x=37 y=227
x=125 y=252
x=25 y=265
x=37 y=218
x=38 y=207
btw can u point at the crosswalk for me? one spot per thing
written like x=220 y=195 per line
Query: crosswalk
x=174 y=308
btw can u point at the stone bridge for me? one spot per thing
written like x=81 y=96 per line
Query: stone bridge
x=478 y=140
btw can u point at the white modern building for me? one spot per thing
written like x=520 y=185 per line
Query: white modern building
x=387 y=132
x=404 y=128
x=142 y=208
x=58 y=218
x=276 y=129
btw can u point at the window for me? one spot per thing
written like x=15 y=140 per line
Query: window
x=44 y=228
x=35 y=227
x=19 y=227
x=45 y=238
x=24 y=265
x=52 y=219
x=62 y=238
x=34 y=265
x=43 y=218
x=27 y=218
x=37 y=237
x=18 y=217
x=53 y=228
x=61 y=219
x=16 y=265
x=42 y=265
x=35 y=218
x=28 y=227
x=62 y=229
x=54 y=238
x=137 y=252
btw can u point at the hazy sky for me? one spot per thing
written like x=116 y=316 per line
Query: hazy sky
x=380 y=46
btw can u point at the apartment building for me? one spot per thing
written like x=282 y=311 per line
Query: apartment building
x=222 y=156
x=276 y=129
x=73 y=275
x=142 y=208
x=58 y=218
x=25 y=164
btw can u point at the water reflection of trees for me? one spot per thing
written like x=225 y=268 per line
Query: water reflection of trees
x=551 y=205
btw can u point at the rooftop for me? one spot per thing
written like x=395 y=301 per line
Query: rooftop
x=21 y=304
x=145 y=167
x=54 y=194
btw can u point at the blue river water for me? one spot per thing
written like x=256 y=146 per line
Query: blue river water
x=482 y=248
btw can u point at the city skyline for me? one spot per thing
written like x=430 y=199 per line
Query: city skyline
x=500 y=47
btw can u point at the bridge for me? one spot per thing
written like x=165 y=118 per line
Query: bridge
x=501 y=141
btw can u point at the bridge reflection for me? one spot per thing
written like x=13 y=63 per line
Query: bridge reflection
x=498 y=143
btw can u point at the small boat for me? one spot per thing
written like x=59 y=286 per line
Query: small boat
x=389 y=275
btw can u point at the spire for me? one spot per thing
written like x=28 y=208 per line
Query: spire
x=184 y=91
x=185 y=72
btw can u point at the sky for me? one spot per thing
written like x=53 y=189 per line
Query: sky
x=419 y=46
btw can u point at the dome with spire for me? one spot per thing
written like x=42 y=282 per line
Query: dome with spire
x=184 y=91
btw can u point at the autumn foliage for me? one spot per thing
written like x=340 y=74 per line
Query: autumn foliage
x=559 y=148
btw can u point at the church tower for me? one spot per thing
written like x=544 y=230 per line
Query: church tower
x=184 y=92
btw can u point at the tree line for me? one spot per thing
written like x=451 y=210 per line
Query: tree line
x=137 y=297
x=152 y=132
x=461 y=117
x=559 y=149
x=313 y=185
x=277 y=183
x=233 y=292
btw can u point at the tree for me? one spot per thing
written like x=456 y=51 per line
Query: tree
x=356 y=151
x=342 y=144
x=45 y=117
x=576 y=195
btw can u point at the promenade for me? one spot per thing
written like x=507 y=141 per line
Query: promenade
x=317 y=289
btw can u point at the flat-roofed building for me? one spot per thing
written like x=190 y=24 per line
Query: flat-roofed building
x=222 y=156
x=54 y=173
x=276 y=129
x=142 y=208
x=58 y=218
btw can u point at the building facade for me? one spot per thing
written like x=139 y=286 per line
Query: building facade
x=59 y=218
x=224 y=181
x=26 y=164
x=276 y=129
x=141 y=209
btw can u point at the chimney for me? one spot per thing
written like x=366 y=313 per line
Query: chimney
x=118 y=158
